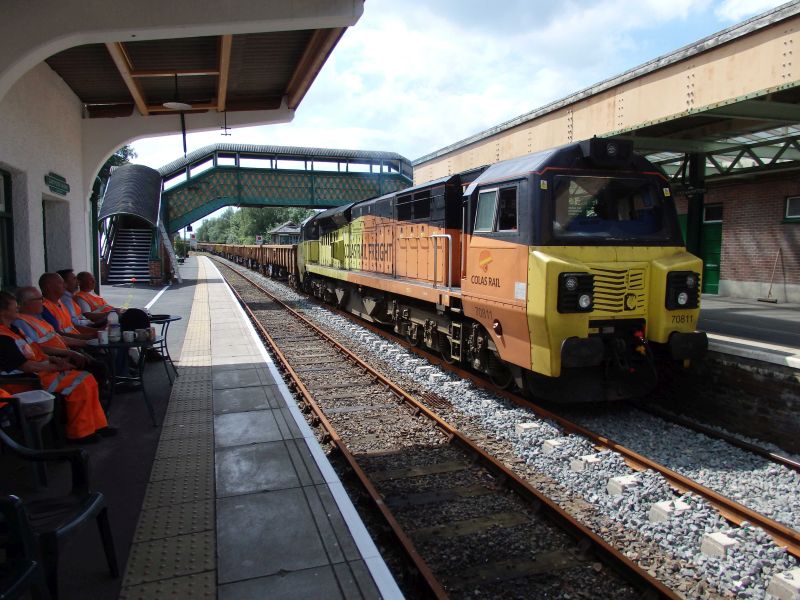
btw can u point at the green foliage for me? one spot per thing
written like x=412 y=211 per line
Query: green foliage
x=121 y=157
x=181 y=247
x=241 y=226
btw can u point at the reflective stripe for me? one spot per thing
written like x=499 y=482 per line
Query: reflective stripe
x=94 y=302
x=75 y=383
x=40 y=333
x=54 y=384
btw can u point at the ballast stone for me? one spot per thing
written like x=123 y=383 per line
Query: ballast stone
x=717 y=544
x=618 y=485
x=663 y=511
x=578 y=465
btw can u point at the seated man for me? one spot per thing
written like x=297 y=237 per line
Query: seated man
x=56 y=313
x=79 y=316
x=33 y=326
x=86 y=420
x=87 y=299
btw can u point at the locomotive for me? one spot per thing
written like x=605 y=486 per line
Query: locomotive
x=562 y=272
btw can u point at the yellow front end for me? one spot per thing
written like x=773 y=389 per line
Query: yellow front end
x=630 y=283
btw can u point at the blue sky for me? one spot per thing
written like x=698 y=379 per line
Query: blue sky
x=417 y=75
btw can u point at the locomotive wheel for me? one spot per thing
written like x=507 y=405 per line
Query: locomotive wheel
x=499 y=374
x=445 y=350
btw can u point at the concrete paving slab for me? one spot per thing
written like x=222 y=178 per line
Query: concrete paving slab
x=229 y=378
x=319 y=582
x=239 y=429
x=266 y=533
x=240 y=400
x=255 y=468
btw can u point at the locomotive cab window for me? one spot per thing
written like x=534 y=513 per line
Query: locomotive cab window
x=610 y=208
x=487 y=202
x=507 y=210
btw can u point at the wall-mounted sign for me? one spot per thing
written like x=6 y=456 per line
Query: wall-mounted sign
x=56 y=183
x=259 y=240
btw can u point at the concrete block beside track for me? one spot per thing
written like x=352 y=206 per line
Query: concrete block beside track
x=618 y=485
x=663 y=511
x=785 y=586
x=717 y=544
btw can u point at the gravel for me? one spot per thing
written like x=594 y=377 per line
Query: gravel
x=753 y=481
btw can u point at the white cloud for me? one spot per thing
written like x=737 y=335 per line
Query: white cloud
x=737 y=10
x=415 y=76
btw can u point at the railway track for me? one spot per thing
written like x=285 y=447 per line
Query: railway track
x=509 y=451
x=469 y=523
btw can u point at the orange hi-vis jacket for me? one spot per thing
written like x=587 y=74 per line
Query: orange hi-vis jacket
x=60 y=312
x=40 y=331
x=96 y=303
x=4 y=394
x=73 y=308
x=79 y=388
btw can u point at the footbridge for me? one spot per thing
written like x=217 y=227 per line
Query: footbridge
x=143 y=207
x=223 y=175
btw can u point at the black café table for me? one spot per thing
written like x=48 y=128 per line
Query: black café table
x=110 y=349
x=161 y=347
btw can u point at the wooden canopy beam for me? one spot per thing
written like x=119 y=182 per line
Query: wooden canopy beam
x=172 y=73
x=314 y=56
x=123 y=63
x=225 y=43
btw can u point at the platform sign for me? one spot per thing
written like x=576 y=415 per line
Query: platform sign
x=193 y=241
x=57 y=183
x=259 y=240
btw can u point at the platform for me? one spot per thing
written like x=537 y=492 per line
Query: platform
x=241 y=500
x=751 y=329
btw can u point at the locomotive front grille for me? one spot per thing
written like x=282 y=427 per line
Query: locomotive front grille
x=619 y=291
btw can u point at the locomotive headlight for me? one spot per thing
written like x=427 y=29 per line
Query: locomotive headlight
x=575 y=292
x=682 y=290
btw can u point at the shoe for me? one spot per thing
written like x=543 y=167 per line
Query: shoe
x=107 y=432
x=89 y=439
x=128 y=386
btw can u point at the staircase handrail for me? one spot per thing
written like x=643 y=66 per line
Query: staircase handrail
x=110 y=235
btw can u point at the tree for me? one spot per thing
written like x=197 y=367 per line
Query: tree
x=241 y=226
x=121 y=157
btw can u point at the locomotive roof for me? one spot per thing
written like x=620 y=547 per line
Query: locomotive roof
x=515 y=167
x=404 y=191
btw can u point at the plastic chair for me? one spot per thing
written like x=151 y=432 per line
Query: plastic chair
x=54 y=518
x=21 y=572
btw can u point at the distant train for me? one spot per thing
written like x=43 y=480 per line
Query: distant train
x=563 y=272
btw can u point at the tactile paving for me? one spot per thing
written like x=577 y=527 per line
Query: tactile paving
x=182 y=466
x=171 y=557
x=183 y=446
x=187 y=417
x=184 y=429
x=177 y=519
x=180 y=490
x=200 y=586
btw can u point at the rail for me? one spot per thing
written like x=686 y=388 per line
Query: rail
x=611 y=554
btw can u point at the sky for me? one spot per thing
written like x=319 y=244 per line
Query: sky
x=414 y=76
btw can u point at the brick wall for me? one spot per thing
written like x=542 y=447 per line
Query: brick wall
x=155 y=272
x=752 y=230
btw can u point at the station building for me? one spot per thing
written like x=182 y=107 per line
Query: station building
x=81 y=78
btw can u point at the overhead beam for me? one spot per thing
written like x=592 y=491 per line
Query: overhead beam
x=665 y=144
x=314 y=56
x=123 y=63
x=172 y=73
x=782 y=112
x=225 y=43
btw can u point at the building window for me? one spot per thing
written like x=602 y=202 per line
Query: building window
x=712 y=213
x=7 y=278
x=792 y=208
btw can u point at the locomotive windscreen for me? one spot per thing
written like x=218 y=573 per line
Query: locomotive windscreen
x=627 y=210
